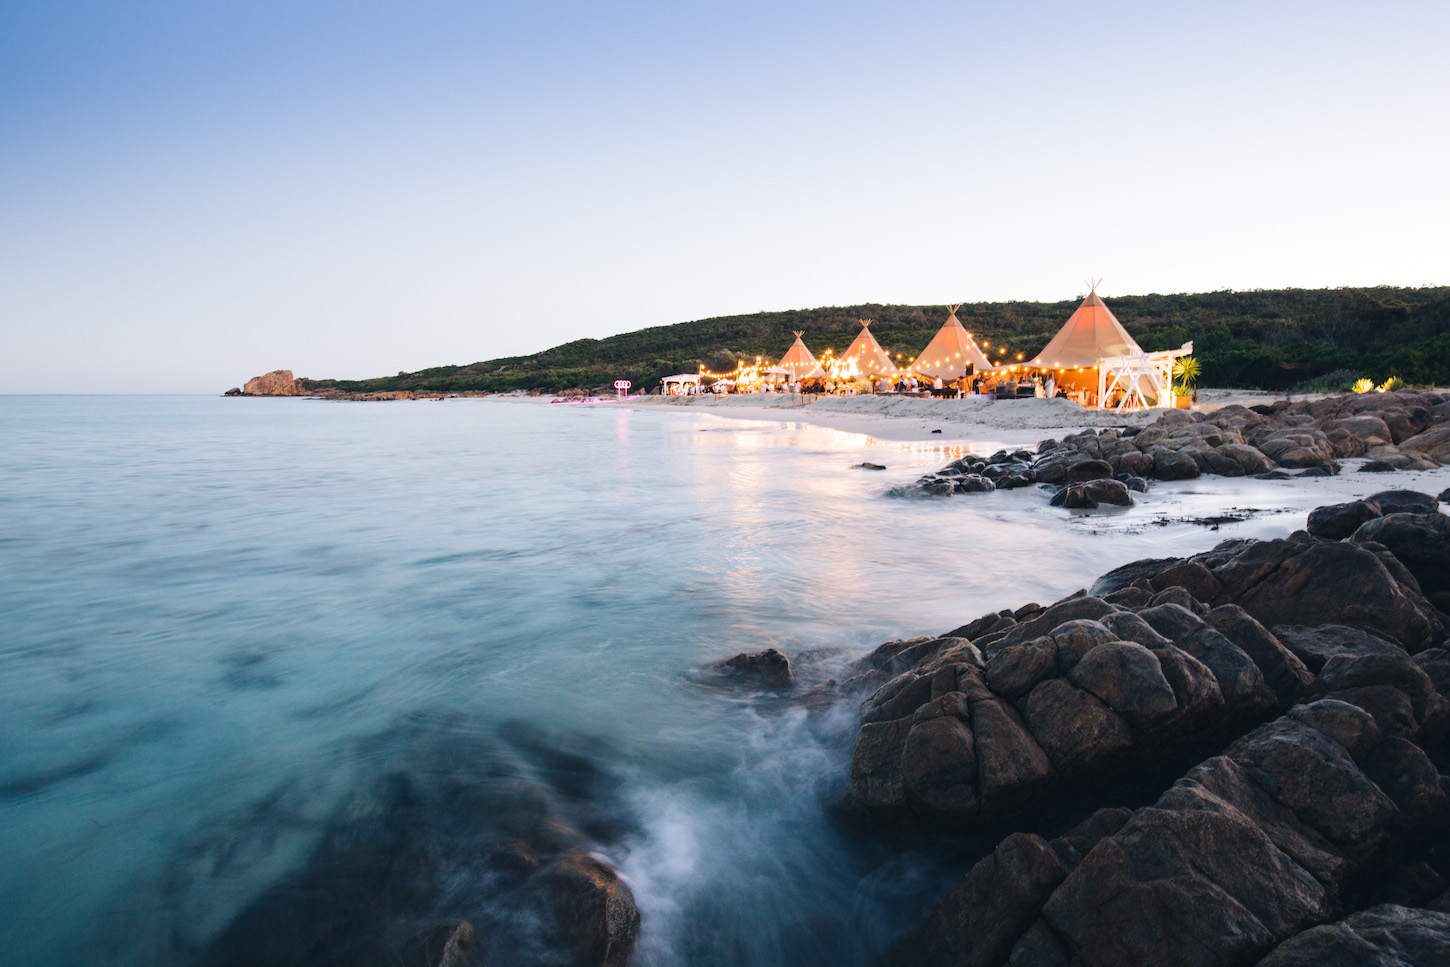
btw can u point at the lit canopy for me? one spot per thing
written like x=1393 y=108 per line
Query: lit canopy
x=868 y=355
x=950 y=352
x=799 y=362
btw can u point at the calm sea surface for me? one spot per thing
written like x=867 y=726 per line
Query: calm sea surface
x=218 y=615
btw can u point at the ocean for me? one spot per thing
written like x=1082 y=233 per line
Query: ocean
x=223 y=620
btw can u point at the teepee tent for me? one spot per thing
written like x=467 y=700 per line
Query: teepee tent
x=866 y=352
x=1090 y=334
x=950 y=352
x=799 y=361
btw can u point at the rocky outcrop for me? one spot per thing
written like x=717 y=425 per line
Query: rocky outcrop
x=1337 y=521
x=1356 y=583
x=279 y=382
x=1305 y=754
x=1250 y=849
x=1075 y=695
x=1405 y=430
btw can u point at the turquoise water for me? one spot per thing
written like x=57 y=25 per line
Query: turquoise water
x=218 y=613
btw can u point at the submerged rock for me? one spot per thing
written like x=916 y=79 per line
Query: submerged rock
x=482 y=852
x=770 y=668
x=597 y=920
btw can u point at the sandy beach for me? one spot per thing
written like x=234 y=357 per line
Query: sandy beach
x=910 y=418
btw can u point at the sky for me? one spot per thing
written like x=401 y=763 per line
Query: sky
x=195 y=193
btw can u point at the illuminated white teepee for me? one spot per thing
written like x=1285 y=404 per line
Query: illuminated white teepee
x=867 y=354
x=950 y=352
x=1090 y=333
x=799 y=361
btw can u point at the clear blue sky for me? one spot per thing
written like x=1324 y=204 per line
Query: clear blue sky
x=192 y=193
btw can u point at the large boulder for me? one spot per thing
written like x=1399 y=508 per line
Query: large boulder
x=1406 y=422
x=978 y=922
x=1128 y=678
x=1283 y=582
x=769 y=668
x=1365 y=427
x=1088 y=470
x=1382 y=936
x=1283 y=670
x=1172 y=465
x=1348 y=676
x=1421 y=542
x=596 y=919
x=1250 y=460
x=1012 y=767
x=1335 y=522
x=1074 y=728
x=1296 y=447
x=1105 y=491
x=1434 y=442
x=1314 y=645
x=1405 y=502
x=1121 y=577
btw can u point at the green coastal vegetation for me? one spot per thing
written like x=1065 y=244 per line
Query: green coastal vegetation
x=1308 y=339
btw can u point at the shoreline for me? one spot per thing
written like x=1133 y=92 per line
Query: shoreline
x=896 y=418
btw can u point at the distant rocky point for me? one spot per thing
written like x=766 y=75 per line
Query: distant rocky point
x=280 y=382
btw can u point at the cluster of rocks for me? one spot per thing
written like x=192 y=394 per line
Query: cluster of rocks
x=1405 y=430
x=479 y=851
x=1276 y=713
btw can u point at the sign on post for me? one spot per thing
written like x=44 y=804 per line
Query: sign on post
x=621 y=386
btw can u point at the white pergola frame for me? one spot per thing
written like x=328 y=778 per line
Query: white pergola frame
x=683 y=380
x=1133 y=374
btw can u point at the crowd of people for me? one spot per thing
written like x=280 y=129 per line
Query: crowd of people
x=982 y=384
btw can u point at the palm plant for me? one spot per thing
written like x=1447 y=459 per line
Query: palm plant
x=1186 y=369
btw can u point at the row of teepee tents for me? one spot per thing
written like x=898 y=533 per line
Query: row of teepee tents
x=1091 y=335
x=949 y=354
